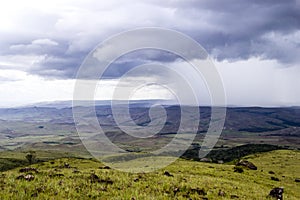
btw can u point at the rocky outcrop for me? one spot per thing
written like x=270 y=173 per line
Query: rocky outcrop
x=277 y=193
x=246 y=164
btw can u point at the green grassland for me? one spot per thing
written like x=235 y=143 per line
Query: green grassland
x=74 y=178
x=16 y=158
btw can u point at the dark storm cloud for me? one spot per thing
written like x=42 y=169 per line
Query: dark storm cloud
x=229 y=29
x=238 y=29
x=56 y=62
x=58 y=66
x=140 y=57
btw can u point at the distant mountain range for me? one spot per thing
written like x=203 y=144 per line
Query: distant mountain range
x=68 y=104
x=242 y=119
x=53 y=123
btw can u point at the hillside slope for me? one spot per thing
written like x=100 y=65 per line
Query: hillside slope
x=70 y=178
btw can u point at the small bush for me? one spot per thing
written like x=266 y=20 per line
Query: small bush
x=30 y=158
x=238 y=169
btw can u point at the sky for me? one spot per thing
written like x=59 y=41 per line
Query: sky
x=254 y=44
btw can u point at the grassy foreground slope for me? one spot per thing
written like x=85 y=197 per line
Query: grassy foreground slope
x=71 y=178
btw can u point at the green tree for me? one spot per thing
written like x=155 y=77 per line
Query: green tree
x=30 y=157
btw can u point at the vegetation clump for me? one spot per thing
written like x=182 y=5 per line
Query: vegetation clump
x=30 y=157
x=238 y=169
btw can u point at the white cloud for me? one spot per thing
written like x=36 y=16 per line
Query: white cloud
x=26 y=89
x=44 y=42
x=19 y=62
x=260 y=82
x=36 y=47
